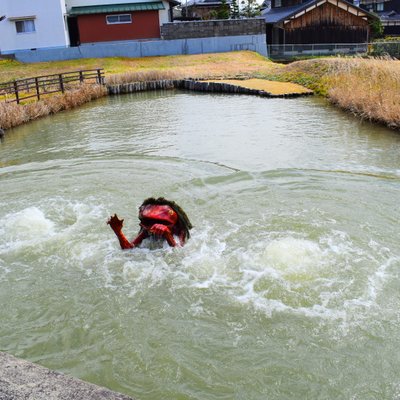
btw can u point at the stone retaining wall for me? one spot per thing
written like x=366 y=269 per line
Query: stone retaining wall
x=217 y=28
x=189 y=84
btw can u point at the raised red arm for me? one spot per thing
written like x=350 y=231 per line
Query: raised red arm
x=116 y=225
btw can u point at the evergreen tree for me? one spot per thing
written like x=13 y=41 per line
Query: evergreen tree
x=223 y=10
x=235 y=13
x=250 y=8
x=376 y=28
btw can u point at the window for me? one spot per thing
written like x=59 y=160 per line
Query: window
x=25 y=26
x=278 y=3
x=119 y=19
x=379 y=6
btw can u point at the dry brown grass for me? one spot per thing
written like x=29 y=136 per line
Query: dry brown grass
x=141 y=76
x=197 y=65
x=12 y=114
x=201 y=66
x=370 y=88
x=367 y=87
x=273 y=87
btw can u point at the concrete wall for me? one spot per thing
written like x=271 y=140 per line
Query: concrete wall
x=214 y=28
x=20 y=379
x=50 y=28
x=255 y=43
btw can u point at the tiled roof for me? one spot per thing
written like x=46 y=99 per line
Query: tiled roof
x=274 y=15
x=204 y=3
x=278 y=14
x=389 y=16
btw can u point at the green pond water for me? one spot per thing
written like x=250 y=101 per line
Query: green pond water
x=288 y=288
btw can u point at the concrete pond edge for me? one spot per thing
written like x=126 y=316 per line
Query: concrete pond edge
x=20 y=379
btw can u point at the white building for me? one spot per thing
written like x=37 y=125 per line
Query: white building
x=49 y=24
x=32 y=24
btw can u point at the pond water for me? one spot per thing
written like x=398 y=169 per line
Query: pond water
x=288 y=288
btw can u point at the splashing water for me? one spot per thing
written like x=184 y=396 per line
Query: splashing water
x=288 y=287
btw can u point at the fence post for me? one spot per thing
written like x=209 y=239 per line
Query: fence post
x=61 y=83
x=16 y=91
x=81 y=76
x=99 y=80
x=37 y=88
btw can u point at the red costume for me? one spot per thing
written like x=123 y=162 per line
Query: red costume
x=159 y=218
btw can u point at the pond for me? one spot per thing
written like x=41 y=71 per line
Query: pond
x=287 y=289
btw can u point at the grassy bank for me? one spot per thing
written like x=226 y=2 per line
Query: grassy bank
x=12 y=114
x=368 y=88
x=201 y=65
x=123 y=70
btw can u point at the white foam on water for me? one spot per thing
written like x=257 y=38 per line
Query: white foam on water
x=58 y=229
x=301 y=276
x=23 y=228
x=278 y=272
x=287 y=274
x=294 y=257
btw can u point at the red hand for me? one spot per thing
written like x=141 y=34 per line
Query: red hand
x=115 y=223
x=162 y=230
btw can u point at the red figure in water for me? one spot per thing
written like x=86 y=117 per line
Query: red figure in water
x=159 y=218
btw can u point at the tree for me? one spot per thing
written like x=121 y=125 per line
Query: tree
x=235 y=12
x=223 y=10
x=250 y=8
x=376 y=28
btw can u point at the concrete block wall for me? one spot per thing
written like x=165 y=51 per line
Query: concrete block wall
x=213 y=28
x=219 y=44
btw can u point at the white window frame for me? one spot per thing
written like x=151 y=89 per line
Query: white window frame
x=379 y=6
x=23 y=21
x=118 y=22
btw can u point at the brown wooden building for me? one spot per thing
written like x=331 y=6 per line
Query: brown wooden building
x=316 y=22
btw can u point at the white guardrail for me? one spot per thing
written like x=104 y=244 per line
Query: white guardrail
x=292 y=50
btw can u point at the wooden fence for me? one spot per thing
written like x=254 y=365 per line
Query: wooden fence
x=22 y=89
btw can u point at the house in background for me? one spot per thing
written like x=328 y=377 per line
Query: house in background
x=202 y=9
x=91 y=21
x=316 y=22
x=50 y=24
x=388 y=12
x=31 y=24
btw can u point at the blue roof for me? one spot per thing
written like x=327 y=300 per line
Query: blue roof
x=204 y=3
x=389 y=16
x=278 y=14
x=274 y=15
